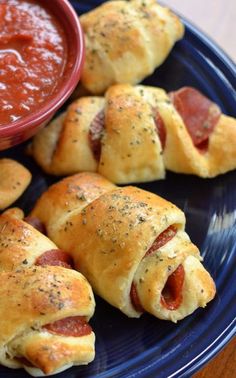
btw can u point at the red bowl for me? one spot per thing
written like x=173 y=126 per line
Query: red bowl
x=18 y=131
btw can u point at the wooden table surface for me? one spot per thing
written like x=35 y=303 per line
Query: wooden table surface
x=217 y=18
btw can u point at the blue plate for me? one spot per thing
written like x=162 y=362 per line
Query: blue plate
x=148 y=347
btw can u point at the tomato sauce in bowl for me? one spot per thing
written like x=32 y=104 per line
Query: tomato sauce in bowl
x=33 y=53
x=41 y=58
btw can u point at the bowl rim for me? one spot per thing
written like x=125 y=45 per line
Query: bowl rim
x=31 y=121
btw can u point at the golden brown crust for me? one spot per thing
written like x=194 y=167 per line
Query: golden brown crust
x=131 y=150
x=67 y=197
x=130 y=147
x=63 y=147
x=109 y=238
x=220 y=156
x=43 y=295
x=198 y=288
x=116 y=230
x=14 y=179
x=38 y=349
x=222 y=151
x=44 y=143
x=126 y=41
x=14 y=212
x=37 y=296
x=20 y=243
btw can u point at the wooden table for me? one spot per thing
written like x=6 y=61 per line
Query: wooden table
x=222 y=366
x=217 y=19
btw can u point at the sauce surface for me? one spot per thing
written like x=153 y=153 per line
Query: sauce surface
x=33 y=53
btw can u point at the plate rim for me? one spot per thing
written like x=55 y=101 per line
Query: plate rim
x=230 y=331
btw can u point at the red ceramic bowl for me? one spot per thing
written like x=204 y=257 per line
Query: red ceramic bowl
x=26 y=127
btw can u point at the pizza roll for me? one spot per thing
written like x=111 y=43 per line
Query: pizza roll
x=14 y=179
x=68 y=197
x=125 y=41
x=22 y=245
x=200 y=139
x=137 y=132
x=64 y=147
x=131 y=150
x=46 y=330
x=116 y=136
x=132 y=248
x=22 y=242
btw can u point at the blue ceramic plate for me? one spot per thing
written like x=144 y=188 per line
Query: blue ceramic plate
x=148 y=347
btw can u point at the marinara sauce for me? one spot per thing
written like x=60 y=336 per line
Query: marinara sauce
x=33 y=53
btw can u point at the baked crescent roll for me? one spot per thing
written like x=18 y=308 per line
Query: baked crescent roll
x=116 y=136
x=131 y=246
x=65 y=150
x=68 y=197
x=14 y=179
x=22 y=245
x=134 y=133
x=200 y=139
x=44 y=314
x=125 y=41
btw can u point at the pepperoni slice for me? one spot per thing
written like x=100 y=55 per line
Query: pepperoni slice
x=55 y=257
x=160 y=127
x=171 y=296
x=72 y=326
x=75 y=326
x=199 y=114
x=95 y=134
x=162 y=239
x=36 y=223
x=24 y=361
x=135 y=299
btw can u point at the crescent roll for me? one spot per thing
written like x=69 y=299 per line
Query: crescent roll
x=125 y=41
x=44 y=314
x=131 y=246
x=14 y=179
x=115 y=136
x=200 y=139
x=134 y=133
x=69 y=197
x=21 y=245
